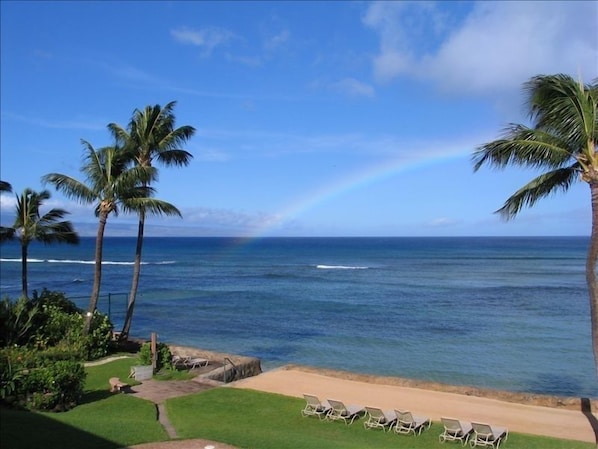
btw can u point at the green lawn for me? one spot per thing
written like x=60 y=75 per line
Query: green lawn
x=256 y=420
x=244 y=418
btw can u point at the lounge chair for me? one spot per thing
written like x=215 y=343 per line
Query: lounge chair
x=379 y=419
x=188 y=362
x=315 y=407
x=194 y=362
x=408 y=423
x=455 y=430
x=487 y=435
x=339 y=411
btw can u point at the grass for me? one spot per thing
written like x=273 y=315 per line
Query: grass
x=103 y=420
x=257 y=420
x=244 y=418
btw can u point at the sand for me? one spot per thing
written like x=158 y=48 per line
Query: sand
x=517 y=417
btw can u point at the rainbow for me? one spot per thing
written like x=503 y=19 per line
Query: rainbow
x=370 y=175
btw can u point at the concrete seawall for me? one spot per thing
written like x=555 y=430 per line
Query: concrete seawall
x=227 y=367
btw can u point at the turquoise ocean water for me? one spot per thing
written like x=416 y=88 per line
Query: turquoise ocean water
x=505 y=313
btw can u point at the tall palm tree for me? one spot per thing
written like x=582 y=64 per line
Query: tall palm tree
x=29 y=225
x=110 y=185
x=151 y=136
x=563 y=140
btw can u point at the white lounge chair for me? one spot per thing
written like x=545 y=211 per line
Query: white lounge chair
x=315 y=407
x=379 y=419
x=487 y=435
x=408 y=423
x=194 y=362
x=455 y=430
x=340 y=411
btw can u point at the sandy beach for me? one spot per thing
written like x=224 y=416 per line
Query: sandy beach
x=517 y=417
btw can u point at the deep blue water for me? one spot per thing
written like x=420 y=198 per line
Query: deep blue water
x=506 y=313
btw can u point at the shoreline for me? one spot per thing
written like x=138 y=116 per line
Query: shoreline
x=535 y=399
x=542 y=400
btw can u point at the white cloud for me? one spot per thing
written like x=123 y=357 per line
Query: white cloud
x=206 y=38
x=496 y=46
x=353 y=87
x=277 y=40
x=346 y=86
x=443 y=222
x=212 y=155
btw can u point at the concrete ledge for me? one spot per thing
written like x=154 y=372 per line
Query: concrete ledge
x=228 y=367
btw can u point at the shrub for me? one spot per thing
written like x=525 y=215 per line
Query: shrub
x=39 y=379
x=17 y=321
x=164 y=358
x=56 y=386
x=97 y=342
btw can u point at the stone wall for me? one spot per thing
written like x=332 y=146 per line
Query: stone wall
x=226 y=367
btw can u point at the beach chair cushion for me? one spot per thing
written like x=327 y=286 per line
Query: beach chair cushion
x=487 y=435
x=379 y=419
x=409 y=423
x=347 y=413
x=455 y=430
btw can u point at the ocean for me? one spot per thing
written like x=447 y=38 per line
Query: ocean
x=493 y=312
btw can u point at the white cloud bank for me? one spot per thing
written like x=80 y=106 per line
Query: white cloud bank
x=495 y=46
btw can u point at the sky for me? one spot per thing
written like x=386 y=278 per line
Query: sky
x=342 y=118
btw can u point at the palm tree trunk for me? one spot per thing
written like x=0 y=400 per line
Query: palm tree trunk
x=24 y=270
x=97 y=277
x=136 y=273
x=591 y=272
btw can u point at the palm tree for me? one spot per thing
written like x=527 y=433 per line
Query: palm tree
x=151 y=136
x=29 y=225
x=563 y=140
x=110 y=185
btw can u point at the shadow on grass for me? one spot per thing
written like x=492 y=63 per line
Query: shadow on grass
x=23 y=429
x=95 y=395
x=586 y=409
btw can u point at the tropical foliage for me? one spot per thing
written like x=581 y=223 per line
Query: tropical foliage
x=30 y=225
x=41 y=348
x=563 y=141
x=151 y=136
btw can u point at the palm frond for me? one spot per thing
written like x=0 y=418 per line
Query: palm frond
x=539 y=187
x=70 y=187
x=524 y=147
x=152 y=206
x=5 y=186
x=565 y=108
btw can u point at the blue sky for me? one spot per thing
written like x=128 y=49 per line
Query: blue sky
x=313 y=118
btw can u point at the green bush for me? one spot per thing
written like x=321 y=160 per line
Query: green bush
x=98 y=341
x=40 y=380
x=17 y=321
x=57 y=386
x=50 y=320
x=164 y=359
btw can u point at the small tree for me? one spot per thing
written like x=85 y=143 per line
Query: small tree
x=29 y=225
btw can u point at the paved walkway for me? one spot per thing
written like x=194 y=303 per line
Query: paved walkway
x=157 y=391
